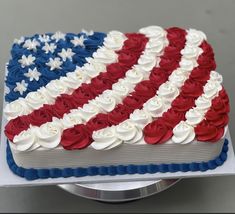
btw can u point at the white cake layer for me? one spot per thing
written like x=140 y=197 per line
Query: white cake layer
x=125 y=154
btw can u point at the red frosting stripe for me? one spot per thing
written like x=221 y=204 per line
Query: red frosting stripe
x=160 y=130
x=127 y=57
x=212 y=127
x=143 y=91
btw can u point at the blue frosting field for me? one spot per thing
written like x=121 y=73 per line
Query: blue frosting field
x=16 y=72
x=32 y=174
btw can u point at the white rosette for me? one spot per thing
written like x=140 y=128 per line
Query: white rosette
x=183 y=133
x=177 y=78
x=140 y=118
x=147 y=61
x=134 y=76
x=55 y=88
x=153 y=31
x=105 y=139
x=114 y=40
x=155 y=106
x=71 y=119
x=168 y=92
x=49 y=134
x=105 y=101
x=195 y=37
x=128 y=132
x=92 y=68
x=15 y=108
x=211 y=88
x=215 y=76
x=24 y=141
x=193 y=117
x=105 y=55
x=88 y=111
x=191 y=52
x=36 y=99
x=202 y=103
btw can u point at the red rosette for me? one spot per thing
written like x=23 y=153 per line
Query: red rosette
x=100 y=84
x=77 y=137
x=157 y=132
x=83 y=94
x=134 y=43
x=15 y=126
x=217 y=119
x=176 y=36
x=200 y=75
x=116 y=71
x=172 y=117
x=192 y=89
x=207 y=49
x=134 y=101
x=63 y=104
x=224 y=96
x=146 y=88
x=100 y=121
x=169 y=64
x=41 y=115
x=183 y=104
x=207 y=132
x=220 y=106
x=172 y=52
x=158 y=76
x=206 y=62
x=128 y=58
x=119 y=114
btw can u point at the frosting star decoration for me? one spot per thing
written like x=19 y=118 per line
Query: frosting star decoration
x=26 y=60
x=66 y=54
x=33 y=74
x=54 y=63
x=21 y=87
x=49 y=48
x=157 y=86
x=78 y=41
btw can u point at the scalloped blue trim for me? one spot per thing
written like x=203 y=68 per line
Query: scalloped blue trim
x=33 y=174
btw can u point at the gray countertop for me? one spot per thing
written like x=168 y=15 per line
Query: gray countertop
x=214 y=17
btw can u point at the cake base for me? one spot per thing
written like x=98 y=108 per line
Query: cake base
x=119 y=192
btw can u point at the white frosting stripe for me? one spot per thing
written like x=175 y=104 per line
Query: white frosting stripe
x=66 y=85
x=183 y=132
x=49 y=134
x=130 y=130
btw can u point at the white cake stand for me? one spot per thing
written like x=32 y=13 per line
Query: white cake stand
x=119 y=191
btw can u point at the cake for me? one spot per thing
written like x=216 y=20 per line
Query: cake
x=111 y=104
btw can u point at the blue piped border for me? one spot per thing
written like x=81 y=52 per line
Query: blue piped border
x=33 y=174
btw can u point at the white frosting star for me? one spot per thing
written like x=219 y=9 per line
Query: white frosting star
x=58 y=35
x=78 y=41
x=66 y=54
x=21 y=87
x=49 y=48
x=26 y=60
x=19 y=41
x=54 y=63
x=31 y=44
x=88 y=33
x=33 y=74
x=44 y=38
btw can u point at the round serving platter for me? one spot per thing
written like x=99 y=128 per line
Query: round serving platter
x=119 y=191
